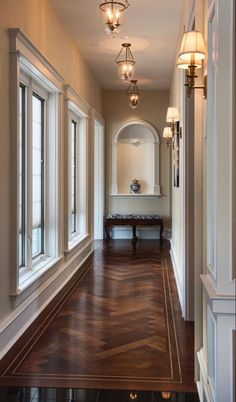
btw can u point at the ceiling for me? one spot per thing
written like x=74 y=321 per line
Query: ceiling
x=151 y=26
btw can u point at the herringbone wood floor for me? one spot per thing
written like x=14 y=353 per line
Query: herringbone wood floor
x=117 y=326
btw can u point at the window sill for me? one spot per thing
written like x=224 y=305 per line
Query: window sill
x=27 y=277
x=30 y=280
x=140 y=195
x=75 y=243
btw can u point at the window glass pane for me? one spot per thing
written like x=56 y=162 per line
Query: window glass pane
x=73 y=177
x=21 y=176
x=37 y=176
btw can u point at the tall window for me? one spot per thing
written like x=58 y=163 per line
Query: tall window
x=37 y=176
x=73 y=220
x=22 y=117
x=77 y=176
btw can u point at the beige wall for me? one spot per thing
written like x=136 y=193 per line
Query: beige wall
x=152 y=108
x=37 y=19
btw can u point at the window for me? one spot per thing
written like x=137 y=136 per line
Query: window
x=37 y=240
x=73 y=223
x=36 y=190
x=77 y=176
x=22 y=117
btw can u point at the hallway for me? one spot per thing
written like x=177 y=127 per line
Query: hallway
x=116 y=326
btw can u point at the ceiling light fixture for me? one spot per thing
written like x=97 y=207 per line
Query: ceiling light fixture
x=134 y=94
x=113 y=10
x=125 y=61
x=192 y=52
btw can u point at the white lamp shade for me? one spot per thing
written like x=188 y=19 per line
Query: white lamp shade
x=172 y=114
x=167 y=133
x=184 y=65
x=192 y=47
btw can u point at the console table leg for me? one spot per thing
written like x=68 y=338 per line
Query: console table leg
x=134 y=239
x=107 y=232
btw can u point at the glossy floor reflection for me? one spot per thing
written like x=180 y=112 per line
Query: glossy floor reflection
x=82 y=395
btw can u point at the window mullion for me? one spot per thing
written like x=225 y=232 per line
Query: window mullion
x=29 y=174
x=77 y=184
x=43 y=178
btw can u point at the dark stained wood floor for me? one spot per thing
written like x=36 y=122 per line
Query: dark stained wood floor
x=118 y=326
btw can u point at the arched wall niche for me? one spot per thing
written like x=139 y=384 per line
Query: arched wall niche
x=136 y=155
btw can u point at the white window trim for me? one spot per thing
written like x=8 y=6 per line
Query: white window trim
x=27 y=61
x=76 y=109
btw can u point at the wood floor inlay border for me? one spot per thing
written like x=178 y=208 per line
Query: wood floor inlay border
x=114 y=325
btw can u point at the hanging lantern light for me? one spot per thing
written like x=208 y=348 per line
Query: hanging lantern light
x=112 y=10
x=134 y=94
x=125 y=61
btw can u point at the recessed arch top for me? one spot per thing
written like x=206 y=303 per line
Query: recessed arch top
x=148 y=126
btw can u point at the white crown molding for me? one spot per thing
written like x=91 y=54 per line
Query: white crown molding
x=21 y=45
x=71 y=95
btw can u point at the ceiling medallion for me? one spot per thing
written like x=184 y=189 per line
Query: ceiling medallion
x=134 y=94
x=125 y=61
x=112 y=10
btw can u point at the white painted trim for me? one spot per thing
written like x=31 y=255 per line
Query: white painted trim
x=21 y=45
x=177 y=278
x=203 y=387
x=145 y=195
x=22 y=317
x=141 y=123
x=78 y=103
x=219 y=303
x=98 y=175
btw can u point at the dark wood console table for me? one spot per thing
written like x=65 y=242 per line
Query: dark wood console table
x=134 y=221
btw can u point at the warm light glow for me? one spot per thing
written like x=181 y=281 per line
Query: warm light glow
x=113 y=10
x=134 y=94
x=172 y=115
x=134 y=101
x=192 y=48
x=184 y=65
x=133 y=396
x=167 y=132
x=166 y=395
x=127 y=71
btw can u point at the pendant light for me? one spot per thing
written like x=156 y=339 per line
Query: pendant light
x=134 y=94
x=125 y=61
x=112 y=11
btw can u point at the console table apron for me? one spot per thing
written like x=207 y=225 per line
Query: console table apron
x=134 y=221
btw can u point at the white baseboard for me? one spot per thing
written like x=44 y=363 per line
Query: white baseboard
x=203 y=386
x=15 y=324
x=178 y=282
x=142 y=233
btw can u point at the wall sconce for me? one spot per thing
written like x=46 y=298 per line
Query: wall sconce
x=173 y=118
x=167 y=133
x=192 y=52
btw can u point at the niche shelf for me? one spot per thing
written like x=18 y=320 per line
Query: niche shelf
x=135 y=155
